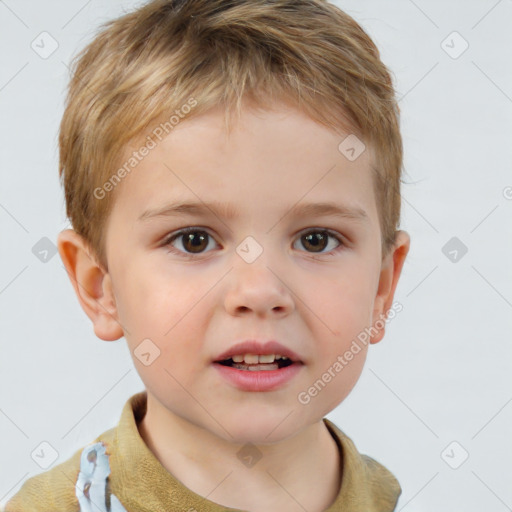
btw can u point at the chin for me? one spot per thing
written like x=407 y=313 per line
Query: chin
x=258 y=428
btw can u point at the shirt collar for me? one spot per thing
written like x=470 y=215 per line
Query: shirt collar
x=366 y=485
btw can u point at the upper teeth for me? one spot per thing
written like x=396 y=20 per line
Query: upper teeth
x=255 y=358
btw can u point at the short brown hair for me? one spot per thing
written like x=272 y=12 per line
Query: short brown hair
x=150 y=62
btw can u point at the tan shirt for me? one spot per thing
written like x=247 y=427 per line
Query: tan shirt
x=137 y=482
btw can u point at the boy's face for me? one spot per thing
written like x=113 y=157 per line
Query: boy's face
x=196 y=298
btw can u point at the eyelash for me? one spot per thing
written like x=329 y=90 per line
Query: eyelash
x=168 y=241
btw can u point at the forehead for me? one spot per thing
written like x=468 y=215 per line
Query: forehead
x=269 y=159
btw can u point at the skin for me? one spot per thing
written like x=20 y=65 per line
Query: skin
x=194 y=309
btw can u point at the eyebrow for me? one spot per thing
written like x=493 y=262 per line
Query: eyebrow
x=228 y=211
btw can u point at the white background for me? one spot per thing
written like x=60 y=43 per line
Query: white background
x=442 y=372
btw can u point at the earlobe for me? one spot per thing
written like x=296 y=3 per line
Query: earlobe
x=92 y=284
x=389 y=275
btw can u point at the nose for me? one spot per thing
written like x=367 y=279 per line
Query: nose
x=258 y=288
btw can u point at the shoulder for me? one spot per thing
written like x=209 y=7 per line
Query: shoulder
x=59 y=489
x=384 y=486
x=375 y=486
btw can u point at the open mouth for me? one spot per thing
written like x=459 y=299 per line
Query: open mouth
x=264 y=365
x=252 y=372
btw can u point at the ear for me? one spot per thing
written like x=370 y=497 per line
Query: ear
x=390 y=272
x=92 y=284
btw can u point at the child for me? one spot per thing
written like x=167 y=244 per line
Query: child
x=245 y=344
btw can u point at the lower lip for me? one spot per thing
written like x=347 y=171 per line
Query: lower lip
x=260 y=380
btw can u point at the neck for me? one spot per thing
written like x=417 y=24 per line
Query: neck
x=282 y=479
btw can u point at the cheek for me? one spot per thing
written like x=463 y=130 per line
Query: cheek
x=155 y=304
x=167 y=311
x=173 y=360
x=345 y=305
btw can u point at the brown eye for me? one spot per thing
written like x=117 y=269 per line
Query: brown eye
x=195 y=242
x=192 y=241
x=316 y=241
